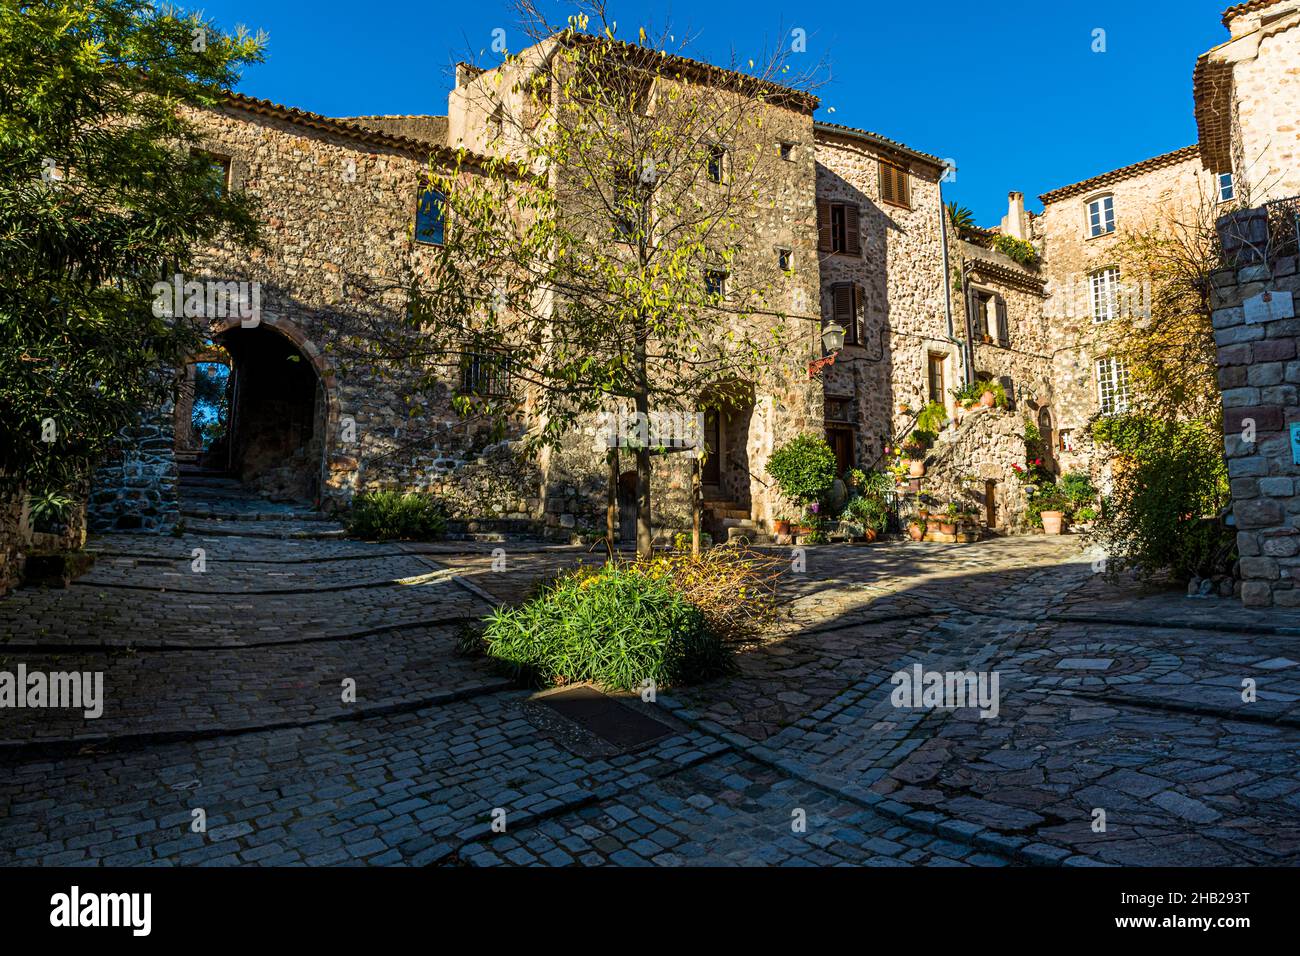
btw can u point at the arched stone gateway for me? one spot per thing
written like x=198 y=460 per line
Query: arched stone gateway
x=284 y=415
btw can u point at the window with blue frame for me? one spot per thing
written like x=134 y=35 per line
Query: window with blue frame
x=431 y=218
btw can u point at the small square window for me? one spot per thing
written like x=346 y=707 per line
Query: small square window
x=218 y=169
x=784 y=260
x=1227 y=190
x=787 y=151
x=715 y=282
x=431 y=218
x=1101 y=216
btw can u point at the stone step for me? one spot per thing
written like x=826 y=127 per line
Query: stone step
x=745 y=522
x=749 y=535
x=189 y=510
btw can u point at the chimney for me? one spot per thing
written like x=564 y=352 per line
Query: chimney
x=1014 y=224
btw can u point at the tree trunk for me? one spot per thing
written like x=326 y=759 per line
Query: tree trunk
x=644 y=536
x=696 y=494
x=611 y=502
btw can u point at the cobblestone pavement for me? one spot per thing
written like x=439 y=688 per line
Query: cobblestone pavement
x=223 y=694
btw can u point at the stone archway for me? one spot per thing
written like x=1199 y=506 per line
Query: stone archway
x=283 y=410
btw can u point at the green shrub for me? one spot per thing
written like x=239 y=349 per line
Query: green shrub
x=1021 y=250
x=617 y=627
x=868 y=511
x=804 y=468
x=1077 y=489
x=385 y=515
x=1168 y=490
x=932 y=419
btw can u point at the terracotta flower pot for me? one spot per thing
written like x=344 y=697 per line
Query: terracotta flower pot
x=987 y=399
x=870 y=535
x=932 y=524
x=947 y=527
x=915 y=531
x=781 y=527
x=916 y=468
x=1052 y=521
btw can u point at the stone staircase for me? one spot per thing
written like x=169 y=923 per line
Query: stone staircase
x=726 y=522
x=215 y=502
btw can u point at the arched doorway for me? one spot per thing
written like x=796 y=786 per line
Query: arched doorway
x=201 y=412
x=274 y=442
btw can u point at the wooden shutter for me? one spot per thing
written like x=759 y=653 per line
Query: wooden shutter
x=844 y=309
x=1004 y=331
x=824 y=226
x=893 y=184
x=852 y=242
x=973 y=312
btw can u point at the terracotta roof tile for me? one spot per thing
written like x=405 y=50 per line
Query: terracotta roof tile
x=343 y=127
x=835 y=129
x=1240 y=8
x=1124 y=172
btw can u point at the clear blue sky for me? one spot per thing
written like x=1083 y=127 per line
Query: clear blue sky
x=1010 y=89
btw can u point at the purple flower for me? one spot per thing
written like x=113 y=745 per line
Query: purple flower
x=815 y=507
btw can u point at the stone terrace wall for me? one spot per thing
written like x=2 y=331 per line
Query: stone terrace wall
x=135 y=488
x=1259 y=373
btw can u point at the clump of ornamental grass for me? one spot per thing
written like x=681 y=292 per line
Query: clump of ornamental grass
x=734 y=588
x=617 y=626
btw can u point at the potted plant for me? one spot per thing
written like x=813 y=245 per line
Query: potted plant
x=1052 y=521
x=915 y=531
x=804 y=469
x=948 y=522
x=916 y=468
x=781 y=525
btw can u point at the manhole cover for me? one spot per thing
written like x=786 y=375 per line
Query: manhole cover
x=605 y=717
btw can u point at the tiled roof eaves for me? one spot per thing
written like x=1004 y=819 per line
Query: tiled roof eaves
x=1235 y=11
x=1124 y=172
x=419 y=148
x=875 y=139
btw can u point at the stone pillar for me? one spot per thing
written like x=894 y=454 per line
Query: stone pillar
x=1255 y=329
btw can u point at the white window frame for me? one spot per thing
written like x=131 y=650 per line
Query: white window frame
x=1102 y=226
x=1112 y=385
x=1104 y=287
x=1230 y=187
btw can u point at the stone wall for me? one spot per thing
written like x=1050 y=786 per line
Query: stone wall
x=134 y=489
x=18 y=536
x=1259 y=371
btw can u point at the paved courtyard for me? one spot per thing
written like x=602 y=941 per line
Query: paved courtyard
x=225 y=693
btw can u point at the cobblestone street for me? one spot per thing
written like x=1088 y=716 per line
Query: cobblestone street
x=224 y=692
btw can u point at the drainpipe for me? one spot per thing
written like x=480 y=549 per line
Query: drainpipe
x=968 y=357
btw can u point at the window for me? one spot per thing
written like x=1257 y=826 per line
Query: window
x=934 y=367
x=1105 y=295
x=839 y=409
x=837 y=228
x=715 y=282
x=989 y=317
x=218 y=167
x=846 y=302
x=1227 y=191
x=894 y=184
x=1101 y=216
x=431 y=218
x=626 y=209
x=784 y=260
x=717 y=164
x=1112 y=385
x=787 y=151
x=485 y=375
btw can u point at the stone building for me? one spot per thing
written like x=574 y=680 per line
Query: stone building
x=1247 y=93
x=1081 y=232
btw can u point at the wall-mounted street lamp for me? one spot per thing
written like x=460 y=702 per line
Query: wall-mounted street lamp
x=833 y=337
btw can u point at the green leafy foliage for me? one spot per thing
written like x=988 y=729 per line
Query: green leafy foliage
x=389 y=515
x=1169 y=490
x=101 y=196
x=618 y=627
x=804 y=468
x=1020 y=250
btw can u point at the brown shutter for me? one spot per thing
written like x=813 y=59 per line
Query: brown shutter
x=1004 y=331
x=842 y=303
x=902 y=190
x=886 y=182
x=823 y=226
x=852 y=244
